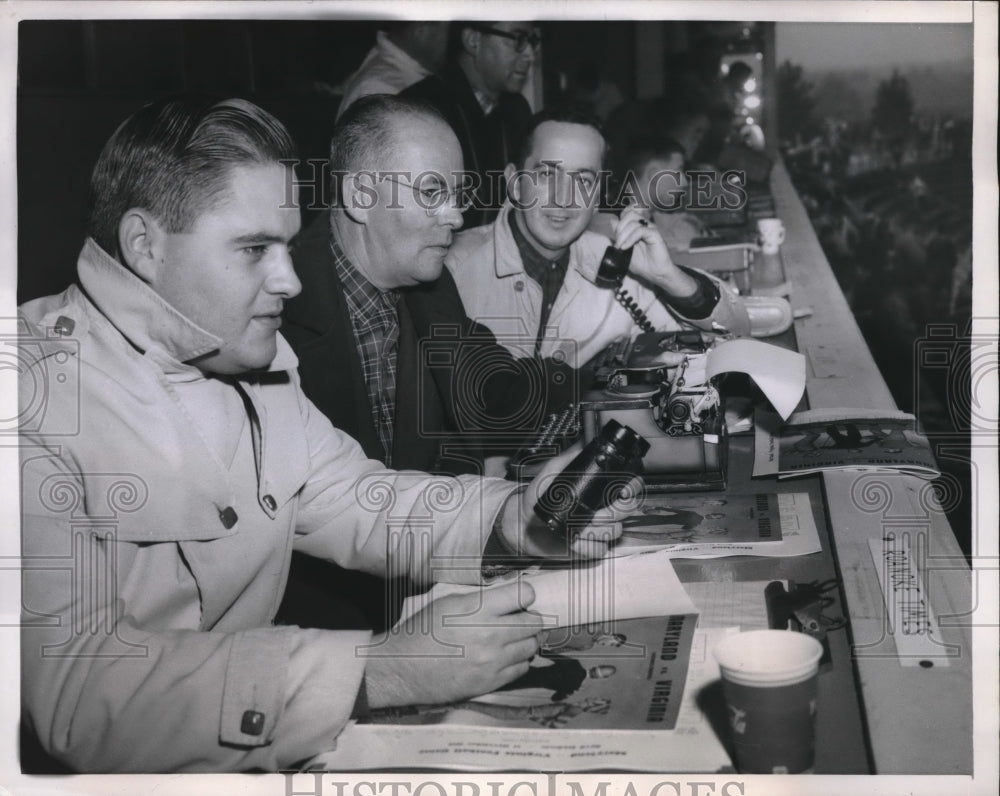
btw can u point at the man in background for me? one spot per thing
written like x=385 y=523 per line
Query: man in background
x=479 y=95
x=651 y=172
x=404 y=53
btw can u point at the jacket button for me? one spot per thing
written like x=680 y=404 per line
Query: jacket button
x=64 y=326
x=519 y=286
x=252 y=723
x=270 y=502
x=228 y=517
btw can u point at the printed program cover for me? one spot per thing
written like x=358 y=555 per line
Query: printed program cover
x=847 y=439
x=700 y=518
x=622 y=675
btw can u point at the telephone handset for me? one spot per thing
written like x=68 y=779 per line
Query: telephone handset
x=611 y=273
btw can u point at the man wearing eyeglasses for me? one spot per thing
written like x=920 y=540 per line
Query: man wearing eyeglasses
x=385 y=348
x=479 y=95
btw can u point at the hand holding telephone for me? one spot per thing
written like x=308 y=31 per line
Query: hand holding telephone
x=614 y=265
x=593 y=480
x=611 y=273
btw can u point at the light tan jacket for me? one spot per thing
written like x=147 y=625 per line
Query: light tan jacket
x=585 y=319
x=152 y=570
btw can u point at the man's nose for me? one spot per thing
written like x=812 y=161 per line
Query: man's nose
x=282 y=279
x=450 y=214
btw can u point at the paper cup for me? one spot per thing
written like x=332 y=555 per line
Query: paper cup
x=772 y=234
x=769 y=679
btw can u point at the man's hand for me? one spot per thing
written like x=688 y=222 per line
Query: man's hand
x=524 y=532
x=655 y=265
x=457 y=647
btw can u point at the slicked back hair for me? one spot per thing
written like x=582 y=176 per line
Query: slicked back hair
x=369 y=129
x=173 y=158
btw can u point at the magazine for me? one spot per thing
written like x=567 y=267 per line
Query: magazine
x=842 y=439
x=718 y=524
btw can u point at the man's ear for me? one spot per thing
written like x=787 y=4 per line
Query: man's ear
x=359 y=194
x=140 y=237
x=470 y=40
x=513 y=187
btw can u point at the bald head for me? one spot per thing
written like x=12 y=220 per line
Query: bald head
x=369 y=133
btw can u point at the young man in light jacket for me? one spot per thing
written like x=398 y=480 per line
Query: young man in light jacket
x=171 y=463
x=530 y=275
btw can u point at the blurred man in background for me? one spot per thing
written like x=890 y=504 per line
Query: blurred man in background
x=404 y=53
x=479 y=95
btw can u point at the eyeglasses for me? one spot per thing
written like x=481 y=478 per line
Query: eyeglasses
x=521 y=38
x=434 y=197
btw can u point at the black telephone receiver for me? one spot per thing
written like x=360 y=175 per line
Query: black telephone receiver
x=614 y=265
x=611 y=273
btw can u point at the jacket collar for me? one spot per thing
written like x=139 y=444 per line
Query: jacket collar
x=506 y=254
x=144 y=318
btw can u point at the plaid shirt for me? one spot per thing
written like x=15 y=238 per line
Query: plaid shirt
x=375 y=322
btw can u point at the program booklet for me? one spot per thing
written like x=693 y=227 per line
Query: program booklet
x=701 y=518
x=843 y=439
x=719 y=524
x=621 y=675
x=557 y=741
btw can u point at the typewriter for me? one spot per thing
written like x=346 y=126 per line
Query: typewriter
x=656 y=385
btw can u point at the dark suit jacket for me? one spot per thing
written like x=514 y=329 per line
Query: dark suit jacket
x=488 y=142
x=459 y=394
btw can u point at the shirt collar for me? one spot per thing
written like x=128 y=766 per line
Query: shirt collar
x=144 y=318
x=485 y=102
x=362 y=296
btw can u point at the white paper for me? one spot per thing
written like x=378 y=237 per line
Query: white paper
x=729 y=603
x=780 y=373
x=626 y=587
x=911 y=621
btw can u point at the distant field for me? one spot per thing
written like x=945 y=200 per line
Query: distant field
x=849 y=94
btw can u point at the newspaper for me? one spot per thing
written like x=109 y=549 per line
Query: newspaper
x=718 y=524
x=842 y=439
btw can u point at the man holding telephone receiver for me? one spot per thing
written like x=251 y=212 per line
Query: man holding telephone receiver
x=536 y=271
